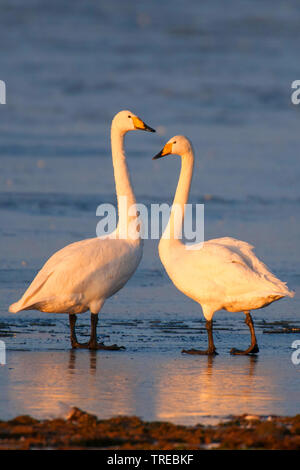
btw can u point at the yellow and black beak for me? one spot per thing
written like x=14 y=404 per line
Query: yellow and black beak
x=165 y=151
x=139 y=124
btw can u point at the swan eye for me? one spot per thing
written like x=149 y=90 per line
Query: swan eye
x=129 y=116
x=174 y=142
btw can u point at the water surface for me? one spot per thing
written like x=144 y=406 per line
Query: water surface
x=221 y=75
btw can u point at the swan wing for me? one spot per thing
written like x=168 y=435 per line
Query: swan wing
x=246 y=255
x=231 y=266
x=81 y=273
x=46 y=271
x=223 y=272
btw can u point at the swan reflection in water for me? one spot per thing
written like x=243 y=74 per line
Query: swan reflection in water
x=150 y=386
x=214 y=389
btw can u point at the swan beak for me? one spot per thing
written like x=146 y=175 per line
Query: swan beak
x=139 y=124
x=165 y=151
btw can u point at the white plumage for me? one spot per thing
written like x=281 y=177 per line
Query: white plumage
x=223 y=273
x=82 y=275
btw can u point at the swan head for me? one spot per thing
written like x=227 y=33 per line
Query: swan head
x=178 y=145
x=127 y=121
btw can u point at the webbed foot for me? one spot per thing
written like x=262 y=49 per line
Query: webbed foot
x=251 y=350
x=199 y=352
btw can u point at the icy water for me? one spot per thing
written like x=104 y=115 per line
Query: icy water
x=222 y=76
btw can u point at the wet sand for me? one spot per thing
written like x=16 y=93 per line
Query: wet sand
x=80 y=430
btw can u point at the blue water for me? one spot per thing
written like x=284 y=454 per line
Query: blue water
x=220 y=74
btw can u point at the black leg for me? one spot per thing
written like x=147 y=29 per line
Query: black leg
x=94 y=323
x=92 y=344
x=253 y=348
x=72 y=321
x=74 y=342
x=211 y=350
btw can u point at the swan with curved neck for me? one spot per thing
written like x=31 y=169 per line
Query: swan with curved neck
x=82 y=275
x=220 y=274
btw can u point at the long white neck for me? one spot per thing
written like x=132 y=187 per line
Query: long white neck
x=173 y=230
x=124 y=190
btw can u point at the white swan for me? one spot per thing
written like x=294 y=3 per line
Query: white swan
x=82 y=275
x=224 y=273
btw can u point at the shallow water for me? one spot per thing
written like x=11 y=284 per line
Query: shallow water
x=220 y=76
x=151 y=379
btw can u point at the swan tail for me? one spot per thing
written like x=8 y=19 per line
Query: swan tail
x=263 y=299
x=280 y=288
x=20 y=305
x=277 y=295
x=289 y=293
x=29 y=297
x=15 y=308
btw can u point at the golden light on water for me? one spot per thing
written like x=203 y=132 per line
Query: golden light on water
x=173 y=389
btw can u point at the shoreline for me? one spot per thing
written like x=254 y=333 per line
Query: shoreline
x=81 y=430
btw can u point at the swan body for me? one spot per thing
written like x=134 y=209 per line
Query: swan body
x=223 y=273
x=82 y=275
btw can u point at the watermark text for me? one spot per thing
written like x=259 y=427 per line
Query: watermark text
x=2 y=353
x=2 y=92
x=158 y=221
x=296 y=354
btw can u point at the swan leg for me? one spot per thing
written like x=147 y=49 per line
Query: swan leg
x=73 y=337
x=211 y=350
x=93 y=344
x=253 y=348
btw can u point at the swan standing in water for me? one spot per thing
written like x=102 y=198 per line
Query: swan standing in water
x=223 y=273
x=82 y=275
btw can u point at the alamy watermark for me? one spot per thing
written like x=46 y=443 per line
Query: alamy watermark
x=2 y=92
x=2 y=353
x=295 y=96
x=296 y=354
x=138 y=220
